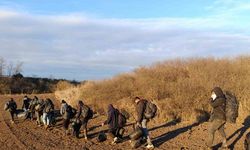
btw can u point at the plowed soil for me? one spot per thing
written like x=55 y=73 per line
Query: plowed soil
x=25 y=134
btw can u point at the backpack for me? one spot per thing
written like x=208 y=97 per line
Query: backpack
x=48 y=108
x=122 y=120
x=68 y=111
x=232 y=107
x=11 y=106
x=6 y=106
x=87 y=112
x=150 y=110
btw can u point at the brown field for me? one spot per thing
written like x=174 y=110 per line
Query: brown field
x=170 y=135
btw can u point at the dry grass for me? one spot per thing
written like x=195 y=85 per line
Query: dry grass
x=178 y=87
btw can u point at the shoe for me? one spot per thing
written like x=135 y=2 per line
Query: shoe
x=150 y=146
x=115 y=140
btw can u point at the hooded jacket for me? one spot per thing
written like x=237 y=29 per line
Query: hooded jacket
x=218 y=105
x=63 y=111
x=112 y=120
x=140 y=108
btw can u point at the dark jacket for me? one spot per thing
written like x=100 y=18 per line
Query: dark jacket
x=140 y=108
x=12 y=106
x=26 y=103
x=112 y=119
x=218 y=105
x=63 y=111
x=81 y=108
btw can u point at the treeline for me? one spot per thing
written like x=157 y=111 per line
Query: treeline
x=13 y=82
x=17 y=84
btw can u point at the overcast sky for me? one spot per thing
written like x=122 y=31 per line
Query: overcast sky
x=96 y=39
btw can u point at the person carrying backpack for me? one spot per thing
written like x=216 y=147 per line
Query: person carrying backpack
x=32 y=105
x=11 y=106
x=48 y=111
x=66 y=112
x=113 y=123
x=142 y=121
x=217 y=117
x=38 y=107
x=84 y=113
x=26 y=103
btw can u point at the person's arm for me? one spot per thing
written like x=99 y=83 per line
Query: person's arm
x=61 y=110
x=217 y=102
x=79 y=112
x=109 y=119
x=140 y=112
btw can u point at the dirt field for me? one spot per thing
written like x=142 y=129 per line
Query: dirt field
x=176 y=136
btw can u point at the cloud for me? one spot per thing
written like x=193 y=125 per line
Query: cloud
x=76 y=46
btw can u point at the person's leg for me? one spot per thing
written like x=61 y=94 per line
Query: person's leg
x=77 y=130
x=223 y=134
x=85 y=129
x=145 y=131
x=215 y=125
x=12 y=116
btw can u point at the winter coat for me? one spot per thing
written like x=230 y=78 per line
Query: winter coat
x=63 y=111
x=112 y=119
x=26 y=103
x=218 y=105
x=140 y=109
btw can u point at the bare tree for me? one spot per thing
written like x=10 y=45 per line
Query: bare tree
x=9 y=68
x=2 y=66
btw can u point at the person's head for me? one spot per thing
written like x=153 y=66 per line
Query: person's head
x=35 y=97
x=80 y=103
x=137 y=99
x=11 y=99
x=110 y=106
x=217 y=92
x=63 y=102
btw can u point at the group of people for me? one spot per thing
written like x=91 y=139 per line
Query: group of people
x=39 y=109
x=43 y=111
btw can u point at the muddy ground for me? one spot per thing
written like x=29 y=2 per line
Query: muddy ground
x=171 y=135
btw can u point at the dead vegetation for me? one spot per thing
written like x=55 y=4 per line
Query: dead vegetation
x=178 y=87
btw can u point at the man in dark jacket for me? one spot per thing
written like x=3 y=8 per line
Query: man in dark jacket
x=83 y=116
x=12 y=108
x=112 y=122
x=142 y=121
x=64 y=111
x=26 y=103
x=218 y=116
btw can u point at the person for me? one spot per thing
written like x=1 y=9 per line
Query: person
x=26 y=103
x=32 y=105
x=112 y=122
x=217 y=117
x=141 y=120
x=38 y=106
x=83 y=115
x=65 y=111
x=11 y=106
x=48 y=109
